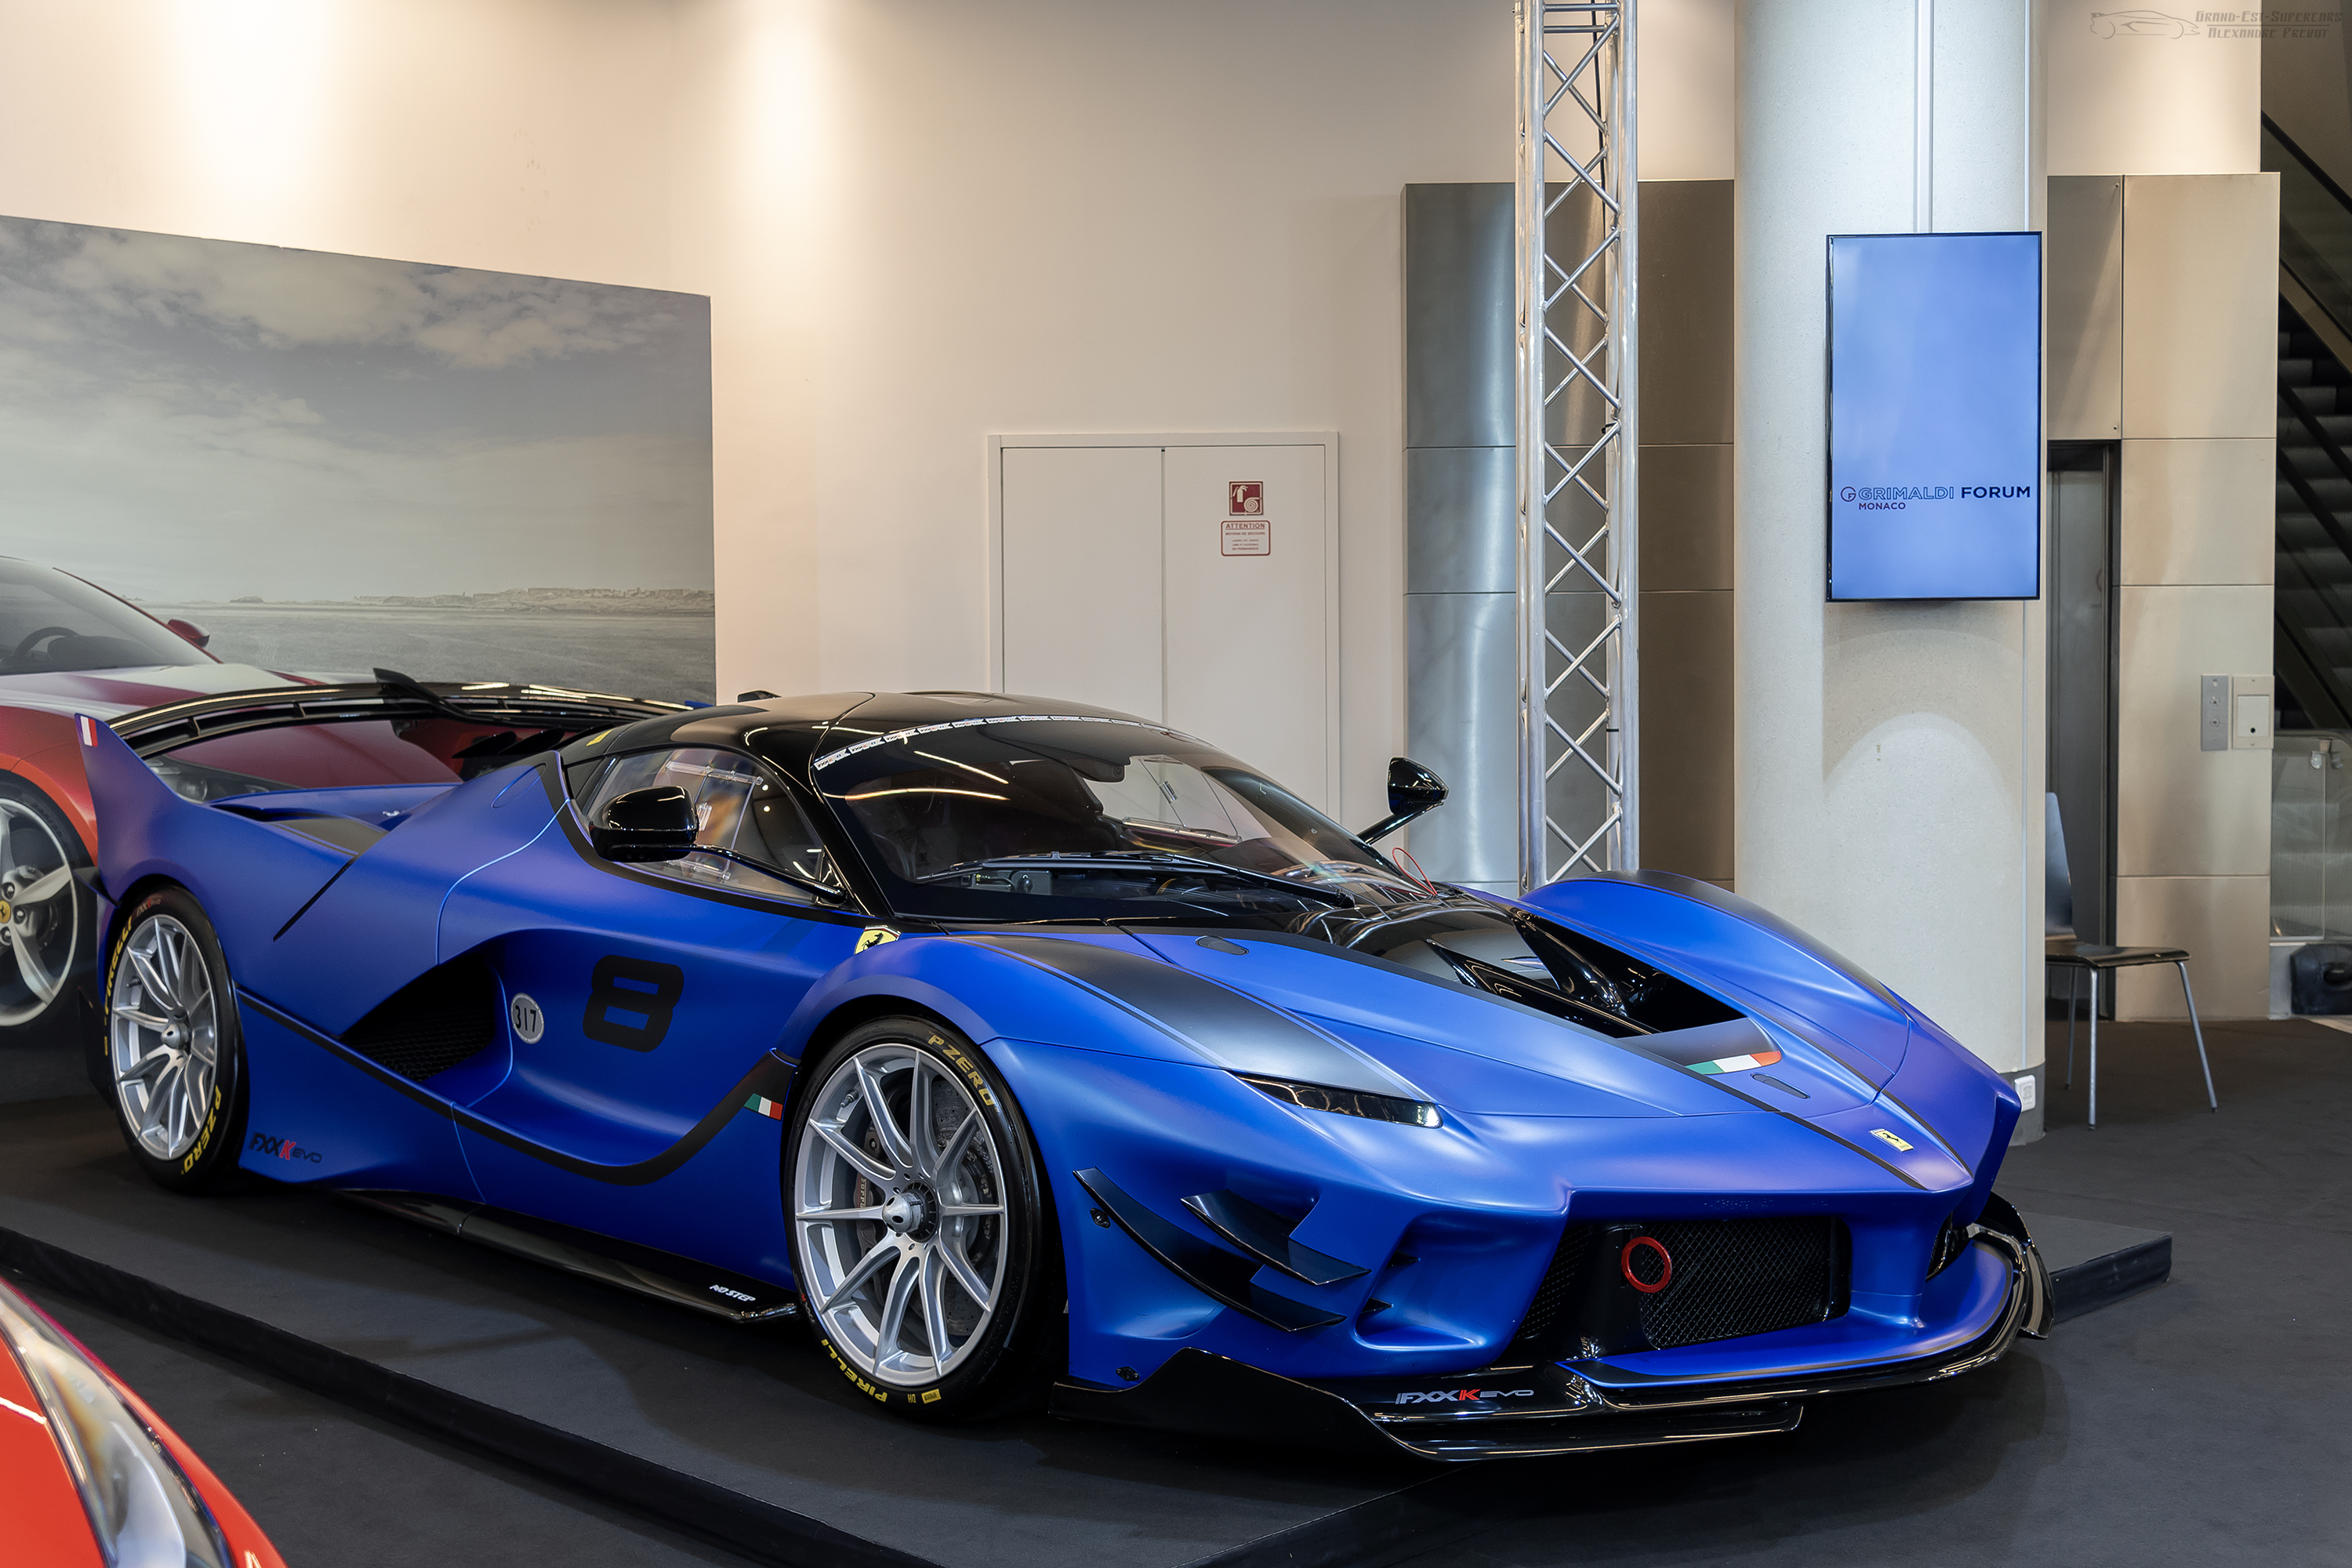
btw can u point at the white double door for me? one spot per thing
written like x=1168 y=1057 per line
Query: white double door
x=1192 y=584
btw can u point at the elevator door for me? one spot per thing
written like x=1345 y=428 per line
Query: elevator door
x=2081 y=641
x=1193 y=583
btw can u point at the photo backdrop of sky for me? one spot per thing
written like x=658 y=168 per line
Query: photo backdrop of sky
x=197 y=420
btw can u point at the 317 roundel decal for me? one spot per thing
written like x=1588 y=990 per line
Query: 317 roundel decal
x=630 y=1001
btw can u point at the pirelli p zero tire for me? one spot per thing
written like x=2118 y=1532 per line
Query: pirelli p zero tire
x=45 y=913
x=174 y=1057
x=922 y=1240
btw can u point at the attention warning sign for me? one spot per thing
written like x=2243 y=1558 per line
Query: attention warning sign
x=1247 y=536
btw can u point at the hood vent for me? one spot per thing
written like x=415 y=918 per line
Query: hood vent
x=1545 y=966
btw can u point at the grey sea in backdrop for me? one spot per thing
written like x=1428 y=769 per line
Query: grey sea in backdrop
x=673 y=658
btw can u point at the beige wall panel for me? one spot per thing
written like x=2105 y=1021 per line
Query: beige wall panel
x=1687 y=733
x=1686 y=518
x=2199 y=511
x=2123 y=105
x=2082 y=266
x=2223 y=921
x=2201 y=305
x=2179 y=811
x=1686 y=311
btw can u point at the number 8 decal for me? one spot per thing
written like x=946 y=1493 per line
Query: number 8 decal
x=624 y=989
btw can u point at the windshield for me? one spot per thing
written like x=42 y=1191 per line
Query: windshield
x=1071 y=819
x=51 y=623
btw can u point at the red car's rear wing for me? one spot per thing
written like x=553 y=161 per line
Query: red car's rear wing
x=152 y=731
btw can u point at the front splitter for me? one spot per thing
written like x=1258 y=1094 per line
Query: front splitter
x=1524 y=1411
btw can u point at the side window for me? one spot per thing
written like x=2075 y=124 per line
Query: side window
x=749 y=825
x=580 y=778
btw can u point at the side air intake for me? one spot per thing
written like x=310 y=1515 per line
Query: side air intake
x=440 y=1018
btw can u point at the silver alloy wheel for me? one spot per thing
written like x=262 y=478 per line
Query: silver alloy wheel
x=163 y=1036
x=40 y=918
x=898 y=1198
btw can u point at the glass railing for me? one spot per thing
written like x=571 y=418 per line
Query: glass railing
x=2311 y=836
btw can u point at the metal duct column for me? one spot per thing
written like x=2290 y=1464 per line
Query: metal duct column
x=1461 y=528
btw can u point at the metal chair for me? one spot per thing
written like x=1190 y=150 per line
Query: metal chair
x=2067 y=951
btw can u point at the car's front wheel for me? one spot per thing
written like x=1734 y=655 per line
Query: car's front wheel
x=174 y=1057
x=926 y=1256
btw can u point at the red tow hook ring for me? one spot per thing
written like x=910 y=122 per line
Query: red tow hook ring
x=1665 y=1265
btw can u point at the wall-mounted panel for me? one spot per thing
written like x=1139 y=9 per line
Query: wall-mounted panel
x=1686 y=312
x=2084 y=308
x=2200 y=317
x=1686 y=520
x=2199 y=511
x=2180 y=811
x=1462 y=505
x=1462 y=720
x=2222 y=921
x=1687 y=733
x=1460 y=315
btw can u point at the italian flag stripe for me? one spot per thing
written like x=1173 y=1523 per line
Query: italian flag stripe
x=1738 y=1064
x=774 y=1109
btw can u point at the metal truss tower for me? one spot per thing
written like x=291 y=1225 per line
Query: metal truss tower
x=1580 y=767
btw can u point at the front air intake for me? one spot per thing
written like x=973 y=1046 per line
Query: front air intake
x=1614 y=1289
x=1738 y=1277
x=440 y=1018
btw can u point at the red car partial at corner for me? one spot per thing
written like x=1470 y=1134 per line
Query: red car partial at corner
x=91 y=1476
x=67 y=647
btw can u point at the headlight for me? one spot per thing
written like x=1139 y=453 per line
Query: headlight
x=142 y=1508
x=1346 y=1101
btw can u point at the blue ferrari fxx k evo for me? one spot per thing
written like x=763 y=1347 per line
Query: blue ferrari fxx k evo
x=1029 y=1051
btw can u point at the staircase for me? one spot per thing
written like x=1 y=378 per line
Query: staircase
x=2314 y=651
x=2313 y=657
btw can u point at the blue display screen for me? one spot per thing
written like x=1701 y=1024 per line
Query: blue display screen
x=1935 y=416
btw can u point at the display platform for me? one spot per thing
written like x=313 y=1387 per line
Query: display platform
x=2092 y=1264
x=744 y=1433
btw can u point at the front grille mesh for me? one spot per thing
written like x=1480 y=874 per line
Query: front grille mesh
x=1738 y=1277
x=1731 y=1277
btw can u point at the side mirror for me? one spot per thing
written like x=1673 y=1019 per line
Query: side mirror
x=655 y=824
x=1413 y=790
x=189 y=632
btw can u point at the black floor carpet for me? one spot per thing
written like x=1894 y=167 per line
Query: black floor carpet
x=2203 y=1421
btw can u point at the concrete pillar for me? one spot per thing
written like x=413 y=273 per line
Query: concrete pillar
x=1889 y=757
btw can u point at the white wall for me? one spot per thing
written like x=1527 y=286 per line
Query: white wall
x=920 y=222
x=926 y=221
x=1683 y=126
x=526 y=135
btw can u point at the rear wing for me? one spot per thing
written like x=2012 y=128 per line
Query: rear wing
x=536 y=713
